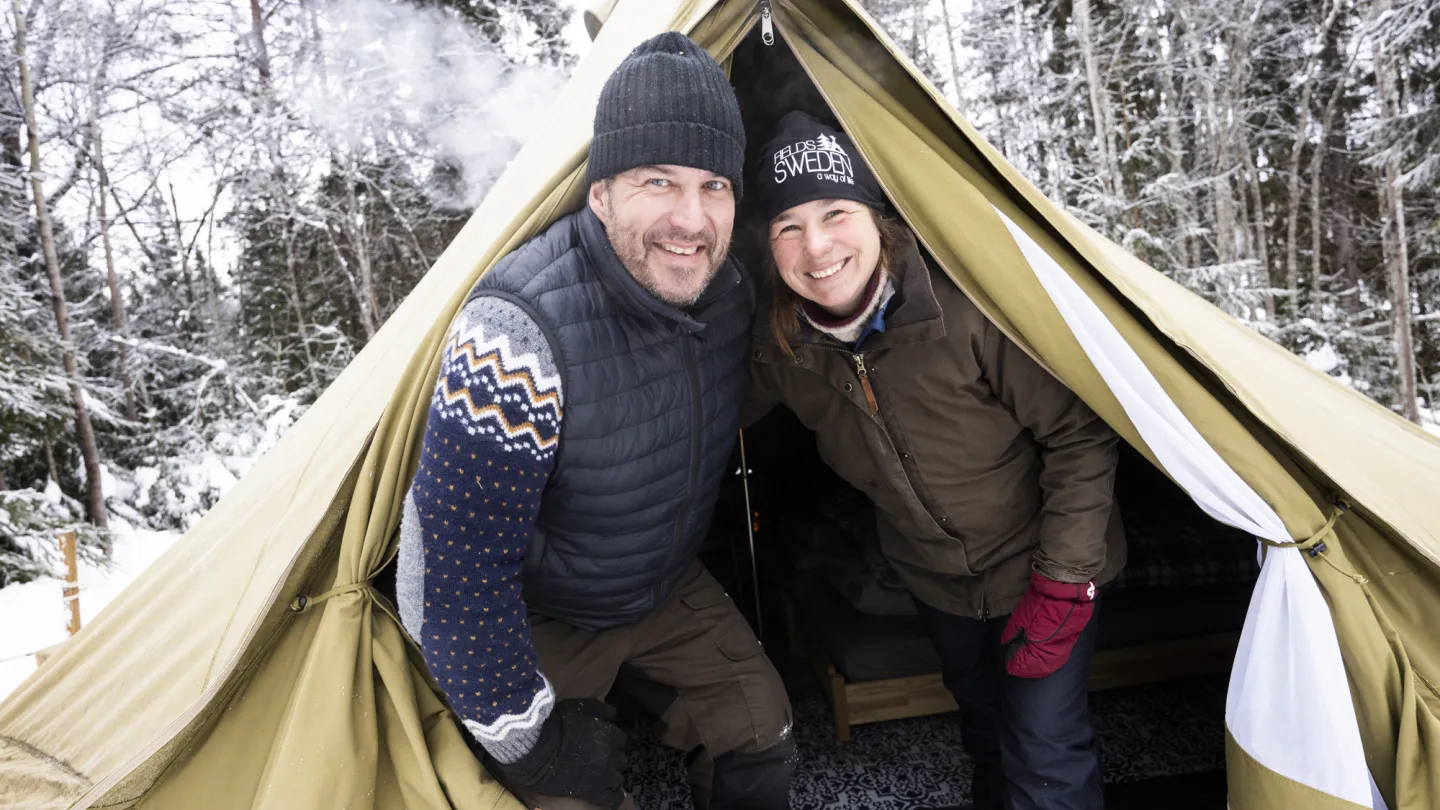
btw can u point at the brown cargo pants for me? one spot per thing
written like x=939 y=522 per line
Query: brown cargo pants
x=729 y=710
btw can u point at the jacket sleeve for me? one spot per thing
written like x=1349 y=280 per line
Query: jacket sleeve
x=488 y=450
x=1078 y=457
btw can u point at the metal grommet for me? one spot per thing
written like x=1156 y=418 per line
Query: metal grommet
x=799 y=359
x=299 y=604
x=759 y=354
x=849 y=388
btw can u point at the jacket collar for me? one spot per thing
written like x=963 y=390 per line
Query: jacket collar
x=635 y=299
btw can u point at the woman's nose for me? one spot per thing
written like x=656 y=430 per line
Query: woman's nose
x=817 y=243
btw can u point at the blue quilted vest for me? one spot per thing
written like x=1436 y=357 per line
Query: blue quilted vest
x=652 y=404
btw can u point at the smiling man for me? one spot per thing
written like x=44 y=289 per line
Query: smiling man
x=587 y=404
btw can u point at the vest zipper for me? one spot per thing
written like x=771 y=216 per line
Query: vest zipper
x=767 y=24
x=687 y=347
x=865 y=383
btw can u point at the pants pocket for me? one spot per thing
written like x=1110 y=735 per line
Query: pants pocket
x=729 y=690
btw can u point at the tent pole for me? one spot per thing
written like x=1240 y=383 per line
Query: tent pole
x=750 y=534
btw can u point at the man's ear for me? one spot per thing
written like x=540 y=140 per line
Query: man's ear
x=598 y=201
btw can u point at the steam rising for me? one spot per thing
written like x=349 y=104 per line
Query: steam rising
x=411 y=80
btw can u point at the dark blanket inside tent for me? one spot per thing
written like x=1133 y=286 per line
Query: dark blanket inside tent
x=1188 y=575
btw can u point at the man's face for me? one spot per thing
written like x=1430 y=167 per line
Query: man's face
x=670 y=225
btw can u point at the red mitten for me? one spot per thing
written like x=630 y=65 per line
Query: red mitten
x=1043 y=629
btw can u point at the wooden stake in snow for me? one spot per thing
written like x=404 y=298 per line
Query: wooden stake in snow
x=72 y=581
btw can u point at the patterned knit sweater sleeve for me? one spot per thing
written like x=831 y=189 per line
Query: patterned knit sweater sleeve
x=488 y=450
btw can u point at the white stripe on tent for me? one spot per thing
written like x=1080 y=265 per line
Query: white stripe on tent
x=1288 y=705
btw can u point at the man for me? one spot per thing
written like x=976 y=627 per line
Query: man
x=586 y=408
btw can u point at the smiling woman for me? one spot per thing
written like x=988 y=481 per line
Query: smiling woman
x=670 y=226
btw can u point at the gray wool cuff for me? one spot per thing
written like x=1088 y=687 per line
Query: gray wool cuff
x=515 y=745
x=511 y=736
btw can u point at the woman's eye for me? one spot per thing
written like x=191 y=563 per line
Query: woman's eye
x=835 y=212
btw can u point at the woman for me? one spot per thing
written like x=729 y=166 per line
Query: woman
x=992 y=481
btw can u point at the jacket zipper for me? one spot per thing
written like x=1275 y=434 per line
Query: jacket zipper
x=864 y=372
x=865 y=383
x=767 y=24
x=688 y=349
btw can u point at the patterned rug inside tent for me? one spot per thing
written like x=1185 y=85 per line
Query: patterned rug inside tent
x=1169 y=734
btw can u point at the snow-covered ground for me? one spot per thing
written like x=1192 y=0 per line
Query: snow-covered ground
x=178 y=492
x=33 y=614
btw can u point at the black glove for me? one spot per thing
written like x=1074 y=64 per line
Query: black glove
x=579 y=754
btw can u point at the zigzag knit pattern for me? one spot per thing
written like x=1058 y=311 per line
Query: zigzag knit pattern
x=489 y=448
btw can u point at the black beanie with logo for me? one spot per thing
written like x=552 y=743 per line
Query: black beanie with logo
x=668 y=103
x=806 y=160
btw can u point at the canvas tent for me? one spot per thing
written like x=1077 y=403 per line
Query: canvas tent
x=210 y=682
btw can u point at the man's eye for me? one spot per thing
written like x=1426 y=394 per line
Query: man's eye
x=659 y=182
x=716 y=185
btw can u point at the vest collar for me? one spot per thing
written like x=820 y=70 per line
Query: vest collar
x=635 y=299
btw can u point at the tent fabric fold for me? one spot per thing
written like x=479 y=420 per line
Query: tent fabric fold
x=209 y=682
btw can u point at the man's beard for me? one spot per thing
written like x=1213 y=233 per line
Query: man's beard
x=634 y=249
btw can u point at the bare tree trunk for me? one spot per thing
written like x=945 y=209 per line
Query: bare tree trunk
x=262 y=55
x=298 y=305
x=184 y=254
x=1175 y=146
x=1397 y=256
x=117 y=301
x=52 y=470
x=360 y=239
x=1292 y=194
x=353 y=221
x=1261 y=231
x=262 y=65
x=1099 y=100
x=84 y=431
x=954 y=59
x=1317 y=160
x=1214 y=133
x=1292 y=178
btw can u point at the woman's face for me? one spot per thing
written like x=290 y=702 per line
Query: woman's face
x=826 y=251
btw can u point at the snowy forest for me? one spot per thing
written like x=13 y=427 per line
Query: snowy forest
x=207 y=207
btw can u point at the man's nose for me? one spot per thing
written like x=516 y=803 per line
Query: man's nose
x=688 y=213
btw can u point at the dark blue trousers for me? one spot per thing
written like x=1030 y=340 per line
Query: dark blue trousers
x=1030 y=739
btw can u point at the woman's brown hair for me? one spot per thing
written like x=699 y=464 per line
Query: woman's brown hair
x=785 y=311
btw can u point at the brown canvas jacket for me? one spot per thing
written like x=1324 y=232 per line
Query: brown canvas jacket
x=981 y=464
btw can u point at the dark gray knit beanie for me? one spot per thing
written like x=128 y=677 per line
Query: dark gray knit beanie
x=670 y=103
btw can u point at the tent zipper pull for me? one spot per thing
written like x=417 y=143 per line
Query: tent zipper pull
x=767 y=25
x=865 y=383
